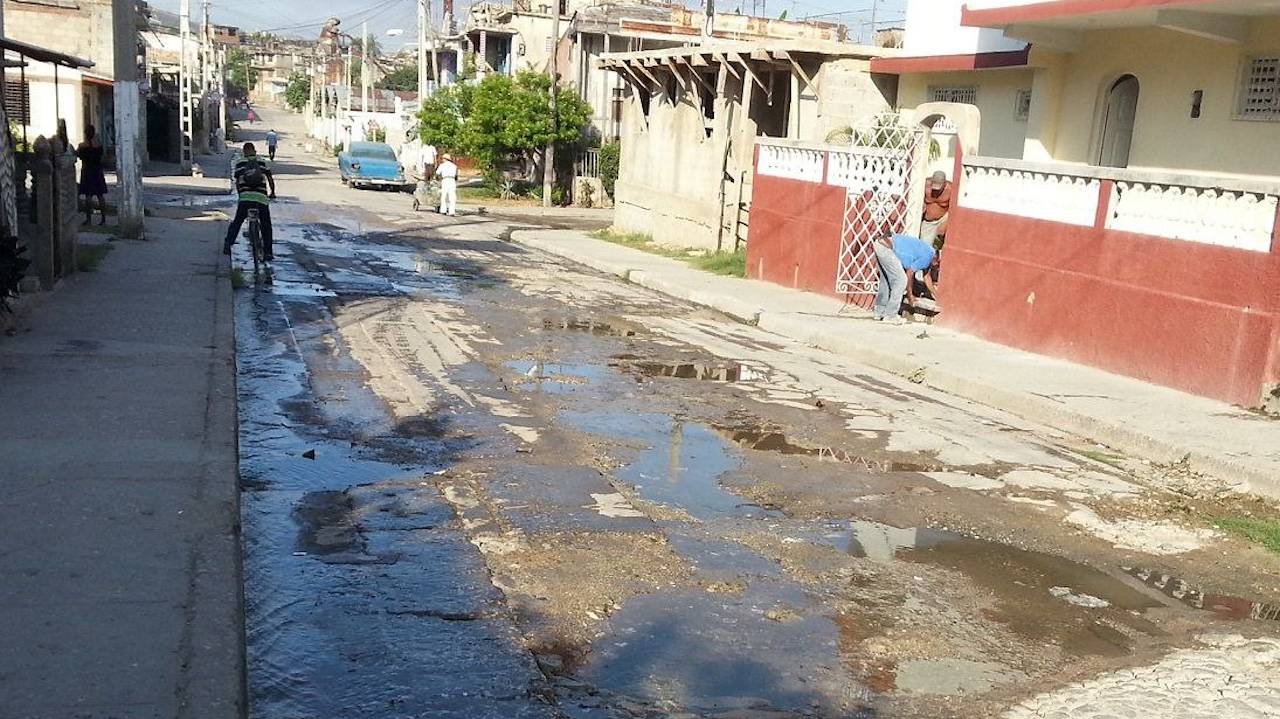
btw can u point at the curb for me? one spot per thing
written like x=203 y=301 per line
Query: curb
x=1029 y=407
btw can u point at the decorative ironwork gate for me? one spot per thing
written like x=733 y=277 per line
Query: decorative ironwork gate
x=883 y=176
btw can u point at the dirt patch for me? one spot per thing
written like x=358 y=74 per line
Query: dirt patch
x=563 y=585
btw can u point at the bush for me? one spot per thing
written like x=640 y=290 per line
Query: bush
x=610 y=158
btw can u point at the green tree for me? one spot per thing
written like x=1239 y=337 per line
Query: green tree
x=241 y=76
x=298 y=92
x=503 y=121
x=403 y=78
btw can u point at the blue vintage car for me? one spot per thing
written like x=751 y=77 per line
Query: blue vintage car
x=371 y=164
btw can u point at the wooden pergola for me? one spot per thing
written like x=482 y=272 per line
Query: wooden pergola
x=746 y=62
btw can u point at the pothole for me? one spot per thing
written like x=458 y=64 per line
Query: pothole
x=1224 y=606
x=710 y=371
x=589 y=326
x=767 y=440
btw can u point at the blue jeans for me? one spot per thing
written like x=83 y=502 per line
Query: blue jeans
x=893 y=282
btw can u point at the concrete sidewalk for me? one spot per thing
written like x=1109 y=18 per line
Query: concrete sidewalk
x=120 y=529
x=1239 y=447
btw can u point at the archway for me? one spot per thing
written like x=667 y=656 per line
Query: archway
x=1117 y=122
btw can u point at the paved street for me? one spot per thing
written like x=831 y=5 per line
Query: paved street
x=488 y=466
x=635 y=472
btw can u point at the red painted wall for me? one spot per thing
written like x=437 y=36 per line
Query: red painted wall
x=795 y=233
x=1188 y=315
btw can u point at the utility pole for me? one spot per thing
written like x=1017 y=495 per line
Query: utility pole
x=422 y=52
x=549 y=156
x=364 y=66
x=128 y=120
x=206 y=73
x=185 y=125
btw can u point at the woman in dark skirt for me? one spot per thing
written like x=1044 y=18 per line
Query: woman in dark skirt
x=92 y=182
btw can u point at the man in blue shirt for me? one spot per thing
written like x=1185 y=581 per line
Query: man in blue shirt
x=900 y=256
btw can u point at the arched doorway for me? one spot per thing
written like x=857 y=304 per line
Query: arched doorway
x=1117 y=122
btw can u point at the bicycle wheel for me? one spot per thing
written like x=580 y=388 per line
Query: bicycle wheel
x=255 y=242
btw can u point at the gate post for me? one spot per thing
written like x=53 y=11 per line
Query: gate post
x=43 y=237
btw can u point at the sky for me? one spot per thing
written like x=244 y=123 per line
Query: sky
x=303 y=18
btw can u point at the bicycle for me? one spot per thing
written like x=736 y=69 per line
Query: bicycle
x=253 y=230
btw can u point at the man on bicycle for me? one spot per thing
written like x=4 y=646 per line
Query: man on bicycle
x=256 y=186
x=272 y=140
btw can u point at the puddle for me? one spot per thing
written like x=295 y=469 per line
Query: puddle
x=1039 y=596
x=765 y=440
x=1225 y=607
x=709 y=371
x=556 y=377
x=680 y=465
x=685 y=648
x=590 y=327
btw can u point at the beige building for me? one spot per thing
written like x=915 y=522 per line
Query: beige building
x=691 y=116
x=41 y=93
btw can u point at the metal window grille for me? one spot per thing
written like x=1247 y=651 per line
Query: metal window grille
x=966 y=94
x=17 y=101
x=1022 y=105
x=1260 y=98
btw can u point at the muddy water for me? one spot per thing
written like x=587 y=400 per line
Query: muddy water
x=367 y=597
x=362 y=598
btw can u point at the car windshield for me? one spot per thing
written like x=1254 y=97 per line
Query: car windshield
x=373 y=152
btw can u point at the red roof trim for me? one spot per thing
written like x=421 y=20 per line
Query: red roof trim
x=949 y=63
x=1053 y=9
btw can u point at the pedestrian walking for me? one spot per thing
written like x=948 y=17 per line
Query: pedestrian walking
x=93 y=183
x=448 y=174
x=272 y=140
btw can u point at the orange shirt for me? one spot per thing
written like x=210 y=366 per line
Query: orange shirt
x=935 y=206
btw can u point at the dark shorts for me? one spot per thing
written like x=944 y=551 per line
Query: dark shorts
x=92 y=183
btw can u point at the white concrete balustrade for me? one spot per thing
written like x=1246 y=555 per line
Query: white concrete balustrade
x=1041 y=195
x=1243 y=220
x=1237 y=212
x=791 y=162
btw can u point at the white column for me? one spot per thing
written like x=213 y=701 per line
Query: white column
x=1042 y=120
x=128 y=121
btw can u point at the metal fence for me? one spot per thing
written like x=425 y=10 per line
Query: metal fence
x=588 y=164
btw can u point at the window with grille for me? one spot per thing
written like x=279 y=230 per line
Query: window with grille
x=967 y=94
x=1260 y=96
x=17 y=101
x=1022 y=105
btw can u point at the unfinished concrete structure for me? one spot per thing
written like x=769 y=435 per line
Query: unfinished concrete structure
x=691 y=116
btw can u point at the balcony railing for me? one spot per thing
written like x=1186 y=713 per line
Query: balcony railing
x=1227 y=210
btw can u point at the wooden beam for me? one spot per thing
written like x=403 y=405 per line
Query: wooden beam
x=727 y=64
x=756 y=78
x=808 y=81
x=674 y=67
x=697 y=77
x=648 y=74
x=632 y=77
x=722 y=80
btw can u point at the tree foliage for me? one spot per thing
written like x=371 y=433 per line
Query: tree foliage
x=298 y=92
x=403 y=78
x=240 y=74
x=503 y=121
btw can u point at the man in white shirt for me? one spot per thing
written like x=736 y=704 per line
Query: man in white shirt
x=427 y=158
x=448 y=174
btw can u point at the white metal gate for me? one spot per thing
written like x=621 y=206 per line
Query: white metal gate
x=883 y=174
